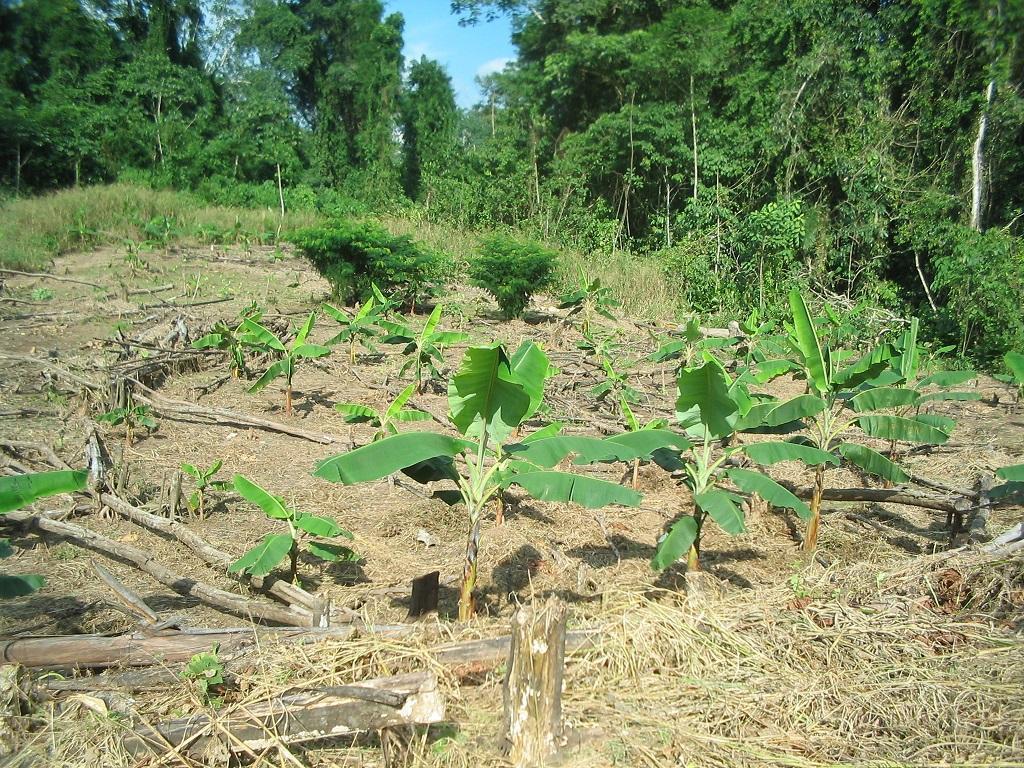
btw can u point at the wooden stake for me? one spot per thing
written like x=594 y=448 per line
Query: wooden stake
x=533 y=683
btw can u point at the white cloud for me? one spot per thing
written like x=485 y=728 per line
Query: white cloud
x=492 y=66
x=415 y=50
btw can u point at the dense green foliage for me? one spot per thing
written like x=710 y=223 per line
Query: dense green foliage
x=871 y=151
x=512 y=271
x=354 y=257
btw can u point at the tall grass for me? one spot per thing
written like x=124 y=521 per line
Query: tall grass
x=35 y=230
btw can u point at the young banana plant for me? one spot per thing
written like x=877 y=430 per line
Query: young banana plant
x=231 y=339
x=275 y=547
x=258 y=336
x=842 y=403
x=385 y=421
x=360 y=327
x=18 y=491
x=489 y=397
x=423 y=349
x=132 y=417
x=1015 y=365
x=633 y=425
x=204 y=482
x=712 y=408
x=589 y=298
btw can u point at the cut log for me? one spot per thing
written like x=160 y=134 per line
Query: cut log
x=889 y=495
x=978 y=531
x=297 y=718
x=218 y=598
x=533 y=683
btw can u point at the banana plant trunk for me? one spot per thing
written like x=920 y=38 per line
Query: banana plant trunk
x=293 y=559
x=466 y=601
x=811 y=537
x=693 y=557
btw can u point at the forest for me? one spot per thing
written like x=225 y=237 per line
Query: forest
x=867 y=151
x=664 y=407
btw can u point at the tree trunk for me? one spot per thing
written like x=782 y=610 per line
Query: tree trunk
x=693 y=119
x=811 y=537
x=533 y=683
x=467 y=606
x=978 y=162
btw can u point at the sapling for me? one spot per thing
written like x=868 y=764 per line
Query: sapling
x=422 y=349
x=231 y=339
x=258 y=336
x=589 y=298
x=132 y=417
x=204 y=482
x=489 y=397
x=17 y=491
x=712 y=408
x=207 y=671
x=1015 y=365
x=358 y=327
x=385 y=420
x=302 y=527
x=841 y=403
x=633 y=425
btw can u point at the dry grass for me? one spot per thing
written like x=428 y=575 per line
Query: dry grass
x=916 y=670
x=34 y=230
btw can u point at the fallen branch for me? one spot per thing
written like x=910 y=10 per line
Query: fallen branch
x=279 y=588
x=62 y=372
x=218 y=598
x=301 y=717
x=48 y=276
x=43 y=450
x=170 y=408
x=888 y=495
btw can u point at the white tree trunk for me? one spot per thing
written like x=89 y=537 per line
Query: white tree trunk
x=978 y=161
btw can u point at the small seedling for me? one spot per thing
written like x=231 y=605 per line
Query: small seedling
x=268 y=554
x=385 y=421
x=1015 y=365
x=589 y=298
x=257 y=336
x=359 y=327
x=207 y=671
x=42 y=294
x=422 y=349
x=204 y=482
x=132 y=417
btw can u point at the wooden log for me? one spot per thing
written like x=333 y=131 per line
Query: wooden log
x=889 y=495
x=144 y=649
x=292 y=719
x=533 y=683
x=48 y=276
x=218 y=598
x=280 y=588
x=132 y=603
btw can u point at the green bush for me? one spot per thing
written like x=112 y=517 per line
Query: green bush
x=688 y=265
x=512 y=271
x=353 y=256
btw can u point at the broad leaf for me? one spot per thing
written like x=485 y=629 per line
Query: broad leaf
x=947 y=379
x=264 y=557
x=704 y=398
x=901 y=429
x=447 y=338
x=578 y=489
x=769 y=490
x=940 y=422
x=767 y=370
x=769 y=453
x=311 y=350
x=320 y=526
x=411 y=416
x=531 y=368
x=271 y=505
x=18 y=490
x=873 y=462
x=880 y=398
x=722 y=508
x=19 y=586
x=384 y=457
x=356 y=413
x=280 y=368
x=909 y=359
x=332 y=553
x=948 y=396
x=808 y=344
x=676 y=543
x=485 y=396
x=1014 y=473
x=304 y=331
x=432 y=321
x=1015 y=363
x=399 y=402
x=801 y=407
x=255 y=334
x=210 y=340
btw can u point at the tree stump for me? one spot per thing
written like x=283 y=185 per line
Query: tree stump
x=424 y=594
x=533 y=683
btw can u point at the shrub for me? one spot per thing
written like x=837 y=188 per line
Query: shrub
x=512 y=271
x=352 y=257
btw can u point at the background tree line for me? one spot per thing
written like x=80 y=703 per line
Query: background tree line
x=868 y=149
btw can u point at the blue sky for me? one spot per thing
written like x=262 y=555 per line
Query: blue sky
x=432 y=31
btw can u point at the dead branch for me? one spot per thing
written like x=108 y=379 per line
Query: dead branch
x=184 y=585
x=48 y=276
x=889 y=495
